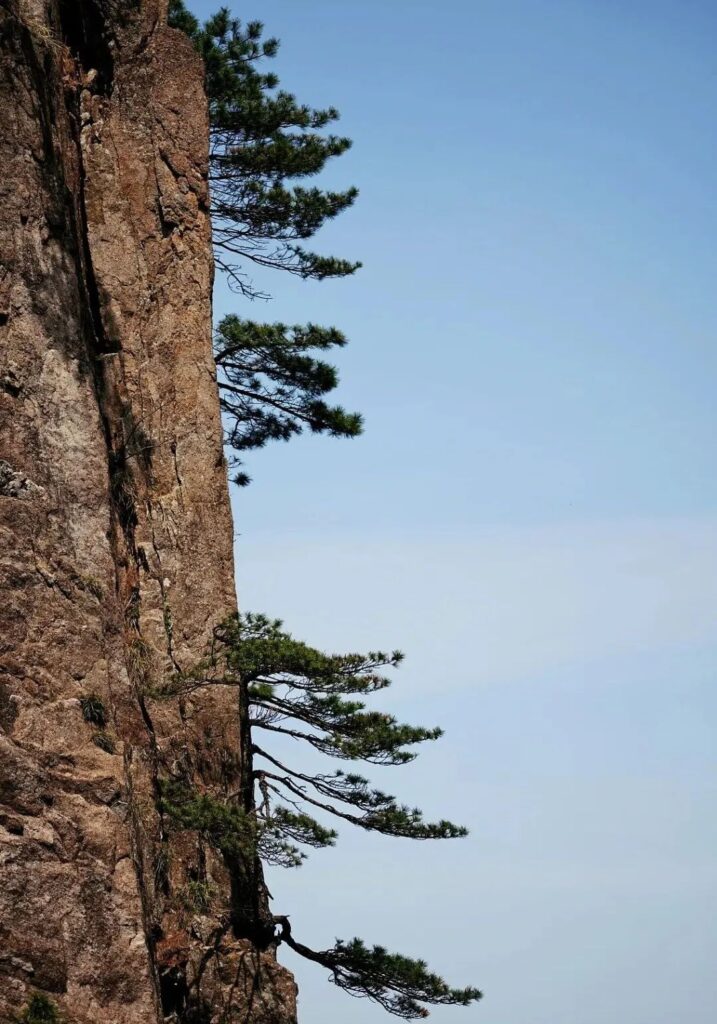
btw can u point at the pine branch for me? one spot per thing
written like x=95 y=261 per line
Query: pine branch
x=271 y=388
x=397 y=983
x=348 y=732
x=381 y=812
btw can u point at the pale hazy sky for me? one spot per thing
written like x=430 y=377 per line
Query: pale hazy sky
x=532 y=513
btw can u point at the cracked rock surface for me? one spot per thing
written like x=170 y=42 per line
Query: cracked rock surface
x=115 y=529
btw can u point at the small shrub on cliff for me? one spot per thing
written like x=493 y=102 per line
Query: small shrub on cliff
x=40 y=1010
x=237 y=834
x=225 y=825
x=93 y=586
x=105 y=742
x=197 y=896
x=140 y=662
x=93 y=710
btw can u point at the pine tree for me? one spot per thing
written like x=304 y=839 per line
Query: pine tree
x=289 y=688
x=261 y=141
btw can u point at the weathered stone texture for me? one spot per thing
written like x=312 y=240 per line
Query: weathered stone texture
x=115 y=531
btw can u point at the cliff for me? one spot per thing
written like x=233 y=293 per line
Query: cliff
x=116 y=536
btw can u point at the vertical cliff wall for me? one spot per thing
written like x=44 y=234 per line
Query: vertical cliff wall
x=115 y=530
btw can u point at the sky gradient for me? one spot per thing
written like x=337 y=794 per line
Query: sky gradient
x=532 y=512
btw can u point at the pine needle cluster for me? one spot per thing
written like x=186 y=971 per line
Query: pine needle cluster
x=397 y=983
x=272 y=387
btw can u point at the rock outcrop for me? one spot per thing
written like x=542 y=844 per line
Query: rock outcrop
x=115 y=529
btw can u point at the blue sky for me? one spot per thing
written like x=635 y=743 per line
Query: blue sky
x=532 y=512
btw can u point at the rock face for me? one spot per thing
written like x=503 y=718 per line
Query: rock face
x=115 y=529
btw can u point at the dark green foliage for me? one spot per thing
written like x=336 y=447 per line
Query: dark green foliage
x=40 y=1010
x=283 y=825
x=240 y=835
x=262 y=140
x=272 y=388
x=105 y=742
x=299 y=691
x=93 y=710
x=398 y=983
x=179 y=17
x=286 y=686
x=226 y=826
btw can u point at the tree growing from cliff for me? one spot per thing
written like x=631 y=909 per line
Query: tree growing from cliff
x=263 y=141
x=289 y=689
